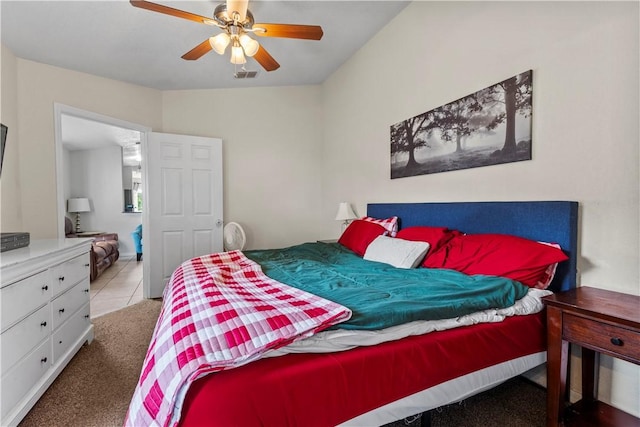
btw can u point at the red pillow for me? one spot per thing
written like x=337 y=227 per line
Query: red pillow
x=359 y=234
x=435 y=236
x=497 y=255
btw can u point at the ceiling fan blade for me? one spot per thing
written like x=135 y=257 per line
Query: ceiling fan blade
x=266 y=60
x=239 y=6
x=198 y=51
x=171 y=11
x=290 y=31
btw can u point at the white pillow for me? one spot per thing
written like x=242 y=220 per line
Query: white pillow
x=396 y=252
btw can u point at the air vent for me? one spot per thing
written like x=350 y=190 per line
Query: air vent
x=245 y=74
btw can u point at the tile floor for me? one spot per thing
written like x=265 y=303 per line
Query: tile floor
x=117 y=287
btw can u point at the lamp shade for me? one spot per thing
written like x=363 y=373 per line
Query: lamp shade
x=78 y=205
x=220 y=42
x=249 y=45
x=237 y=55
x=345 y=213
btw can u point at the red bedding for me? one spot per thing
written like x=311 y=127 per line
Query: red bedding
x=327 y=389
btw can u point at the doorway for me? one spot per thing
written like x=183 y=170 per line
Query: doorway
x=109 y=202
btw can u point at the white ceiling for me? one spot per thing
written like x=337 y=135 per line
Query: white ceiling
x=83 y=134
x=116 y=40
x=113 y=39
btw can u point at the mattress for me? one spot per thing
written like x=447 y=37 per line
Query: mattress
x=333 y=388
x=345 y=339
x=449 y=392
x=221 y=312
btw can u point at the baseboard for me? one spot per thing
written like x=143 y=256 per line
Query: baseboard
x=537 y=375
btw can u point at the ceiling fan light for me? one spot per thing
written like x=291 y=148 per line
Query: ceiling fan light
x=237 y=55
x=220 y=42
x=249 y=45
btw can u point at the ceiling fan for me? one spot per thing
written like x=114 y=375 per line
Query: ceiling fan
x=236 y=22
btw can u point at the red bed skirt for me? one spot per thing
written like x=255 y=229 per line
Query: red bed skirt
x=327 y=389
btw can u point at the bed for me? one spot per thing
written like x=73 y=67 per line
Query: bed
x=391 y=380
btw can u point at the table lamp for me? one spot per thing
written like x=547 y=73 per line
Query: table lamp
x=76 y=206
x=345 y=213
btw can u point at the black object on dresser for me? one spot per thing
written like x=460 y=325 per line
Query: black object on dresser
x=14 y=241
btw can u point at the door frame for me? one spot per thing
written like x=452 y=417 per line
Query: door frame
x=60 y=109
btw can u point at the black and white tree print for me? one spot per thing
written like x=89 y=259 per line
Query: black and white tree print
x=488 y=127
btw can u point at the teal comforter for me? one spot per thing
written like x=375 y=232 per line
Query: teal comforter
x=380 y=295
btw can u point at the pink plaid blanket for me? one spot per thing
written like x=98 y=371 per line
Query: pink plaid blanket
x=220 y=311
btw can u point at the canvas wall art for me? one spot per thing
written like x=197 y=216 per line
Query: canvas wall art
x=488 y=127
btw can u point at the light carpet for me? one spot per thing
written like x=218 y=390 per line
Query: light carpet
x=96 y=386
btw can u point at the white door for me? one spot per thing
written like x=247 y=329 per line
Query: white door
x=183 y=204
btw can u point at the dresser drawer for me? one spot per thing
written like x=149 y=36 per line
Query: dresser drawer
x=68 y=333
x=21 y=338
x=23 y=297
x=614 y=340
x=69 y=273
x=17 y=382
x=69 y=302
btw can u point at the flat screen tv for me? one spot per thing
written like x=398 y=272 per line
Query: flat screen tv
x=3 y=140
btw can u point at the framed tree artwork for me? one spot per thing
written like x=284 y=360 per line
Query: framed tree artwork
x=488 y=127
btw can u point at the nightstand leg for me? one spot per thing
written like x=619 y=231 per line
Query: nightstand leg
x=590 y=364
x=557 y=357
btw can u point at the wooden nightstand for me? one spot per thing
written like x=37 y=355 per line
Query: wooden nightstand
x=600 y=321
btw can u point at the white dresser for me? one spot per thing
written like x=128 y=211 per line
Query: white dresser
x=44 y=296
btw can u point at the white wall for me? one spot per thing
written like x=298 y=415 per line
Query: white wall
x=97 y=175
x=272 y=148
x=585 y=62
x=10 y=196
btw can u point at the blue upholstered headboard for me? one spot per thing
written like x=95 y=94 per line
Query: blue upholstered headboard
x=553 y=221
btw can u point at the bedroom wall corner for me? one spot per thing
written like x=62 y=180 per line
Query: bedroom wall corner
x=586 y=97
x=271 y=144
x=10 y=200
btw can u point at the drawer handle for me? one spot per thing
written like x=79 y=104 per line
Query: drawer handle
x=61 y=278
x=86 y=290
x=87 y=265
x=617 y=341
x=45 y=288
x=43 y=324
x=86 y=316
x=61 y=310
x=43 y=360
